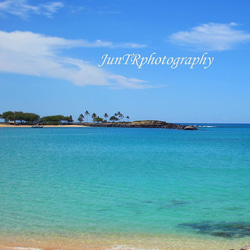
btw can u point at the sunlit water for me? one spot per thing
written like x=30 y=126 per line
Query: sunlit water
x=69 y=181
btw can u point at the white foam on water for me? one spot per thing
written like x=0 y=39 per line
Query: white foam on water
x=207 y=126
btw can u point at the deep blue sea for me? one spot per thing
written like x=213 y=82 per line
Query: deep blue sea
x=126 y=180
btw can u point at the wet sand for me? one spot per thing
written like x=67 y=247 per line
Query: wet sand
x=119 y=242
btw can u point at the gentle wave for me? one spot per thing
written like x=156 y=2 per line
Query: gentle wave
x=200 y=126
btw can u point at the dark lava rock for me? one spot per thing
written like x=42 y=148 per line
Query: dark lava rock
x=143 y=124
x=190 y=127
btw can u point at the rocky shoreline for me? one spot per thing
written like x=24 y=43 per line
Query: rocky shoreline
x=143 y=124
x=135 y=124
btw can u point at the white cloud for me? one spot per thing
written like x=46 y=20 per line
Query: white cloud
x=125 y=82
x=34 y=54
x=211 y=36
x=99 y=43
x=50 y=8
x=22 y=9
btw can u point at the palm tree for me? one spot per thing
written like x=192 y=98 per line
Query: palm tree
x=118 y=115
x=93 y=116
x=121 y=116
x=127 y=117
x=81 y=118
x=106 y=116
x=87 y=114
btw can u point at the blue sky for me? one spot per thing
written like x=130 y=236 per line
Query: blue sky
x=50 y=52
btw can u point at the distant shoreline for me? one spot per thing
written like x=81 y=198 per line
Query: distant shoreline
x=44 y=126
x=135 y=124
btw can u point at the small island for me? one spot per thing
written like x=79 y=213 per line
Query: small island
x=143 y=124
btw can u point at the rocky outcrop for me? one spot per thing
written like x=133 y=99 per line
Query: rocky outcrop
x=190 y=127
x=143 y=124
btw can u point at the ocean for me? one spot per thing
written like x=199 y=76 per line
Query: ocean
x=126 y=182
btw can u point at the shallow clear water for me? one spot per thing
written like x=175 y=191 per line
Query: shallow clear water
x=123 y=180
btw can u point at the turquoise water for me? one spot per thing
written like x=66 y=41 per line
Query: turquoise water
x=121 y=180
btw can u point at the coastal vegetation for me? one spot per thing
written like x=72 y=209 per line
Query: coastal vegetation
x=56 y=119
x=19 y=117
x=116 y=120
x=31 y=118
x=28 y=118
x=117 y=117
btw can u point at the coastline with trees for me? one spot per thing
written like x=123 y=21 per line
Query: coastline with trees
x=22 y=119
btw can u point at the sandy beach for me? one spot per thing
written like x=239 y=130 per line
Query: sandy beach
x=119 y=242
x=45 y=126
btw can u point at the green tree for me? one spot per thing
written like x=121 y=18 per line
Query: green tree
x=71 y=119
x=113 y=118
x=21 y=116
x=127 y=117
x=53 y=120
x=87 y=114
x=93 y=116
x=8 y=116
x=98 y=119
x=68 y=119
x=29 y=118
x=81 y=118
x=106 y=116
x=121 y=116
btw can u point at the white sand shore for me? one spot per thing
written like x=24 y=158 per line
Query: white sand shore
x=45 y=126
x=119 y=242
